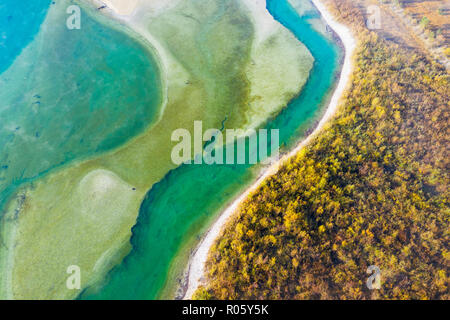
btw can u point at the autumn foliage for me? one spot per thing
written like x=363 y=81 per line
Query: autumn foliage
x=372 y=189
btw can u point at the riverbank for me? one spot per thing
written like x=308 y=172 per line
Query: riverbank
x=276 y=72
x=196 y=268
x=86 y=228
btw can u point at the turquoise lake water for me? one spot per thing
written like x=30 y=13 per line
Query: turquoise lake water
x=19 y=23
x=178 y=209
x=68 y=94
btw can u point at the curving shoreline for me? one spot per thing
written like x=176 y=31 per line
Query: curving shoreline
x=286 y=60
x=126 y=13
x=196 y=266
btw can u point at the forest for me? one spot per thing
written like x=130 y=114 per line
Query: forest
x=371 y=189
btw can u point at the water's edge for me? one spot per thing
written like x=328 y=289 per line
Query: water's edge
x=197 y=261
x=172 y=220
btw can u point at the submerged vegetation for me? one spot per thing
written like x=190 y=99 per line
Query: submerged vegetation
x=81 y=212
x=372 y=189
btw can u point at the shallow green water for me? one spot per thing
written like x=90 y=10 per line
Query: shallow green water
x=179 y=208
x=72 y=94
